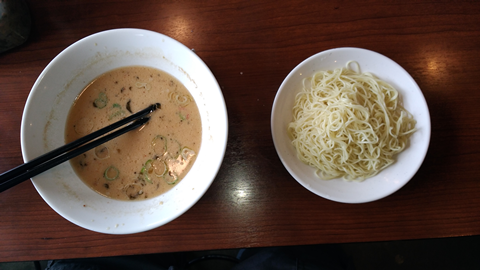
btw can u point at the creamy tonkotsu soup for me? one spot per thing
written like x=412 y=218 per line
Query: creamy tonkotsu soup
x=146 y=162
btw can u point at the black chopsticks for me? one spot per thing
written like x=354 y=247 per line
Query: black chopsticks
x=51 y=159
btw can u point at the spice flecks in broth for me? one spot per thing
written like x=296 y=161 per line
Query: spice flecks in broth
x=143 y=163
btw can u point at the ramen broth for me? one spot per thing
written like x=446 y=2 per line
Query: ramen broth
x=146 y=162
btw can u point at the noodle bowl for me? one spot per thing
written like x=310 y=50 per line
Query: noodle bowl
x=349 y=124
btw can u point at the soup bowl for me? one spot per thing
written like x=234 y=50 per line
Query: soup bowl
x=54 y=92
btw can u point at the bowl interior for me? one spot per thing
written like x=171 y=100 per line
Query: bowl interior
x=389 y=180
x=47 y=107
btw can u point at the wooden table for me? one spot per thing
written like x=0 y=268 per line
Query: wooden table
x=251 y=46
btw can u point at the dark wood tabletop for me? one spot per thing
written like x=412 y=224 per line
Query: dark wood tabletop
x=251 y=46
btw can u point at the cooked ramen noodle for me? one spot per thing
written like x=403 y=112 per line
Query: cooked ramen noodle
x=143 y=163
x=348 y=124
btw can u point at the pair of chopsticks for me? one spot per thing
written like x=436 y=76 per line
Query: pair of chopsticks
x=51 y=159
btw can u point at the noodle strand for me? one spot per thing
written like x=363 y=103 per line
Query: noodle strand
x=348 y=124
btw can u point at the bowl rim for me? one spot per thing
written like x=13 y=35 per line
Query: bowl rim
x=319 y=57
x=220 y=102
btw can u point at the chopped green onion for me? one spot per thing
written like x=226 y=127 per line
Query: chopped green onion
x=144 y=173
x=111 y=173
x=187 y=153
x=175 y=149
x=101 y=101
x=159 y=144
x=119 y=111
x=102 y=152
x=146 y=170
x=171 y=178
x=148 y=166
x=147 y=86
x=159 y=167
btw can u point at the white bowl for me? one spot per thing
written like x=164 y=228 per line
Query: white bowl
x=389 y=180
x=47 y=106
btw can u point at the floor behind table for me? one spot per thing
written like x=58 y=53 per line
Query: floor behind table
x=445 y=253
